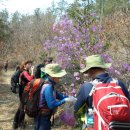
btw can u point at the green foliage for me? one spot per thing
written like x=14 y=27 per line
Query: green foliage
x=105 y=7
x=4 y=28
x=58 y=9
x=80 y=8
x=15 y=20
x=101 y=7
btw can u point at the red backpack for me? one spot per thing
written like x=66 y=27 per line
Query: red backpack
x=110 y=104
x=31 y=96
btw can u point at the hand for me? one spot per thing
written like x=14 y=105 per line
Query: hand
x=73 y=98
x=70 y=99
x=32 y=68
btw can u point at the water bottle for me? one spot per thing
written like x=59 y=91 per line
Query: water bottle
x=90 y=119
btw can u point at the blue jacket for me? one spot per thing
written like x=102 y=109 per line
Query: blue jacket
x=83 y=95
x=49 y=98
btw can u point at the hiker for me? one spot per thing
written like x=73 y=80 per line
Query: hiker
x=6 y=66
x=96 y=69
x=50 y=99
x=25 y=77
x=38 y=73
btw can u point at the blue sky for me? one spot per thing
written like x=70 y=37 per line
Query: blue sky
x=27 y=6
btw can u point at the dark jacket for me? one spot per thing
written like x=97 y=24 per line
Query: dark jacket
x=83 y=95
x=38 y=70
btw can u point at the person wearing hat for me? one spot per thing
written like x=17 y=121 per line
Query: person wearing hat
x=49 y=97
x=96 y=69
x=38 y=72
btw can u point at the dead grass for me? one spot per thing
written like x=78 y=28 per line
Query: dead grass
x=9 y=103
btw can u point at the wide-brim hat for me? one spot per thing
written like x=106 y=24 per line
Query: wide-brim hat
x=95 y=61
x=54 y=70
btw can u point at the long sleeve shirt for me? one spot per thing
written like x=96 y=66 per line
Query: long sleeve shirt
x=25 y=77
x=28 y=76
x=83 y=95
x=52 y=97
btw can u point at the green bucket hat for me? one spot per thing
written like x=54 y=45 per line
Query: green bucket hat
x=95 y=61
x=54 y=70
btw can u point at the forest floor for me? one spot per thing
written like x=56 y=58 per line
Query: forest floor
x=9 y=103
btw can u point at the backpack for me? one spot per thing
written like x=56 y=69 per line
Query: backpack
x=110 y=104
x=31 y=96
x=15 y=81
x=38 y=71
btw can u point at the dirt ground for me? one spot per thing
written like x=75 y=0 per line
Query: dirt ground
x=9 y=104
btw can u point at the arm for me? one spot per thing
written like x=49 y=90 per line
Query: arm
x=50 y=99
x=60 y=96
x=28 y=76
x=83 y=96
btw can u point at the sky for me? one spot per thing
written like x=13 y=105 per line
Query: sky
x=27 y=6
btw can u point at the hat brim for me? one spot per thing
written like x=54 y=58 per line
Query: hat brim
x=59 y=74
x=105 y=66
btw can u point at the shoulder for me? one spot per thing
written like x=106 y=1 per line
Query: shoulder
x=24 y=72
x=120 y=82
x=40 y=65
x=86 y=87
x=47 y=86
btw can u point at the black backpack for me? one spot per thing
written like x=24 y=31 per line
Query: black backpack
x=15 y=81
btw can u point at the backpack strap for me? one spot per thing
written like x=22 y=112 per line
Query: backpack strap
x=94 y=83
x=100 y=119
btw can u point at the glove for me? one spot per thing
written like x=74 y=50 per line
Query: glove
x=70 y=99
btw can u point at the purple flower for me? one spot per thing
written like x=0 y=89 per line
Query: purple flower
x=126 y=67
x=94 y=28
x=77 y=78
x=107 y=58
x=82 y=66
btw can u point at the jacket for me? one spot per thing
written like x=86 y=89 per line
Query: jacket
x=47 y=96
x=83 y=95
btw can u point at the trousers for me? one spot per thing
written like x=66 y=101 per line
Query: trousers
x=42 y=123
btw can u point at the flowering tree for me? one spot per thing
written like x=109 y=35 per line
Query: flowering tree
x=75 y=39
